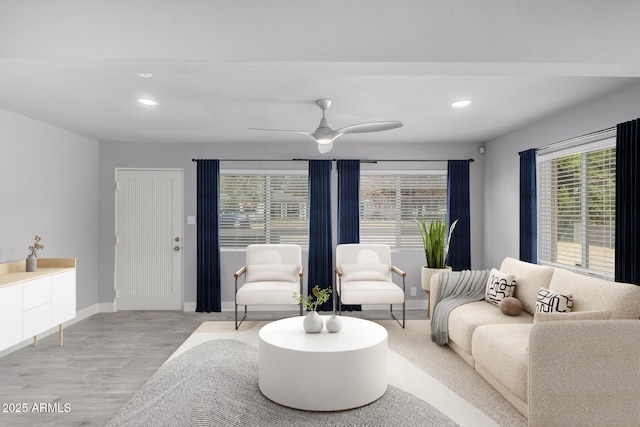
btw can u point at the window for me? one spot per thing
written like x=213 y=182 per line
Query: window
x=263 y=208
x=576 y=207
x=389 y=205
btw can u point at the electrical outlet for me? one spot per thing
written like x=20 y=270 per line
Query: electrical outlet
x=413 y=291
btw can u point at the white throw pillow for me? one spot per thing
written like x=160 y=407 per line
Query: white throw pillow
x=576 y=315
x=273 y=273
x=365 y=272
x=499 y=286
x=553 y=302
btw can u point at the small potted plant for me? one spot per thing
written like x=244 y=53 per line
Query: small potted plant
x=312 y=322
x=436 y=247
x=32 y=258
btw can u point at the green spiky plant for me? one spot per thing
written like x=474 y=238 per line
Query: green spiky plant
x=322 y=296
x=435 y=240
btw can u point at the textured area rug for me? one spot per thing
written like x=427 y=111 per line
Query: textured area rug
x=216 y=384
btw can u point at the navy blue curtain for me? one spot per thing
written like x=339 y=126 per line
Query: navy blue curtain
x=349 y=207
x=458 y=208
x=528 y=207
x=320 y=242
x=627 y=265
x=348 y=201
x=208 y=200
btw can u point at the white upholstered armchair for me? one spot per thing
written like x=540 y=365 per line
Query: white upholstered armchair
x=364 y=276
x=272 y=273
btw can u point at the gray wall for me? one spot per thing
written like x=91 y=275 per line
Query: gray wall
x=123 y=155
x=48 y=182
x=502 y=167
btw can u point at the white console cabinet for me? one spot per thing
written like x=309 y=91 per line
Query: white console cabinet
x=10 y=316
x=31 y=303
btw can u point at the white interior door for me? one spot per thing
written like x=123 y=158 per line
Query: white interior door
x=149 y=239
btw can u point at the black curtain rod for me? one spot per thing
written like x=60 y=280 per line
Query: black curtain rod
x=305 y=160
x=578 y=138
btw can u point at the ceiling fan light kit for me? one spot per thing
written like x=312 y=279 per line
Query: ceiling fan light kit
x=324 y=135
x=325 y=148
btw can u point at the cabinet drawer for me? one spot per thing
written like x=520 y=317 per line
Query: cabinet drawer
x=36 y=320
x=36 y=292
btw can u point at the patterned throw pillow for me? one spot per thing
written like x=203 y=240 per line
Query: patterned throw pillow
x=553 y=302
x=499 y=286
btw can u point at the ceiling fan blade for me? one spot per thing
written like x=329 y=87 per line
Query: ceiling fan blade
x=368 y=127
x=283 y=130
x=301 y=132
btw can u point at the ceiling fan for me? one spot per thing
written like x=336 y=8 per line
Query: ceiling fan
x=325 y=136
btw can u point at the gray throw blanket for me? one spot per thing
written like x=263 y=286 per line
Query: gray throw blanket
x=455 y=288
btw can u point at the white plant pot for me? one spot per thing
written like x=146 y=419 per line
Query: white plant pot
x=427 y=273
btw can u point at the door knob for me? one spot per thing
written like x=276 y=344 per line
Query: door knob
x=176 y=248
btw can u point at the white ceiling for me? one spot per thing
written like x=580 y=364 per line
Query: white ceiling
x=85 y=81
x=220 y=109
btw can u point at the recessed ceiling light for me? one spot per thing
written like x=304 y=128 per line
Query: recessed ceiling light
x=146 y=101
x=145 y=75
x=461 y=103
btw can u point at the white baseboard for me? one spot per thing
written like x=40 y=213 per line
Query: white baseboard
x=106 y=307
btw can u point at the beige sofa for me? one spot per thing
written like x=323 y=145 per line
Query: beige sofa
x=557 y=372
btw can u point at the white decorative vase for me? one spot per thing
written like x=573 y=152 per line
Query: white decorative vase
x=312 y=323
x=32 y=263
x=334 y=323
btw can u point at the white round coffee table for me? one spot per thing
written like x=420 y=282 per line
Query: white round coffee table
x=323 y=371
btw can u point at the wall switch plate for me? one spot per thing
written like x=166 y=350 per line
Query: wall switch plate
x=191 y=220
x=413 y=291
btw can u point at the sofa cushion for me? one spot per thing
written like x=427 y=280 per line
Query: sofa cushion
x=464 y=319
x=553 y=302
x=576 y=315
x=503 y=351
x=590 y=293
x=499 y=286
x=529 y=279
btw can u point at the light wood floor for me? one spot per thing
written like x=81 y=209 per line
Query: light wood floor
x=104 y=361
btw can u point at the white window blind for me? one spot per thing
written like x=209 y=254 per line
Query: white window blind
x=263 y=208
x=389 y=205
x=576 y=208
